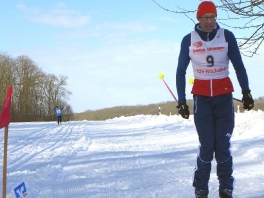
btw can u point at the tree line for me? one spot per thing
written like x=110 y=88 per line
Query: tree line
x=167 y=108
x=35 y=93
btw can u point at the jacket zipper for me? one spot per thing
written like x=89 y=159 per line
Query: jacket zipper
x=211 y=81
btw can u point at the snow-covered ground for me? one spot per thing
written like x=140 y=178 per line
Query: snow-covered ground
x=142 y=156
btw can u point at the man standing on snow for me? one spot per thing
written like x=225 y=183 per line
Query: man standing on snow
x=58 y=112
x=209 y=48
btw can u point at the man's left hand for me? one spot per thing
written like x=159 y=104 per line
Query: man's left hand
x=248 y=102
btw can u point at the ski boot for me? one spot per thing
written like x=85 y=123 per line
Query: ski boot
x=225 y=193
x=200 y=194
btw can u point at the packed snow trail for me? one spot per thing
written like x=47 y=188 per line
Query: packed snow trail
x=126 y=157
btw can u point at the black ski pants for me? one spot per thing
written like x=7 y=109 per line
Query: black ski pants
x=59 y=119
x=214 y=121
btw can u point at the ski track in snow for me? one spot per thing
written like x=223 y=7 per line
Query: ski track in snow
x=126 y=157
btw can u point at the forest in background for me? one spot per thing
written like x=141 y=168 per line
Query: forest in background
x=35 y=93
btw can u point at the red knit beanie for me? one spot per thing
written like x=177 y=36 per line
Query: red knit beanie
x=206 y=7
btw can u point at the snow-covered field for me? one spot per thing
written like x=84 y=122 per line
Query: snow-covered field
x=128 y=157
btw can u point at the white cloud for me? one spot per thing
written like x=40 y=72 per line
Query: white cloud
x=62 y=19
x=21 y=6
x=60 y=4
x=168 y=19
x=27 y=10
x=132 y=27
x=57 y=17
x=110 y=33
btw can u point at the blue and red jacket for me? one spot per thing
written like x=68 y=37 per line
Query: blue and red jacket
x=214 y=86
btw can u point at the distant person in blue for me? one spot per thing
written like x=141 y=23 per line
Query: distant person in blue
x=209 y=48
x=58 y=112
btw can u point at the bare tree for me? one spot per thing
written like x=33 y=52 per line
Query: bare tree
x=7 y=65
x=67 y=112
x=54 y=90
x=248 y=12
x=35 y=93
x=26 y=88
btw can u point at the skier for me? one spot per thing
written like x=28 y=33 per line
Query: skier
x=209 y=48
x=58 y=112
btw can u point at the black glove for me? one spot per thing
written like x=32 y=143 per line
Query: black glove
x=248 y=102
x=183 y=110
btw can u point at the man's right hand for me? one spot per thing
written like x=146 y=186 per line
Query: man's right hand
x=183 y=110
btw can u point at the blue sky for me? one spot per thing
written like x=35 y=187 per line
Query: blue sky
x=111 y=50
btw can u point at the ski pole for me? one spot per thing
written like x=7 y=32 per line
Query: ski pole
x=238 y=100
x=161 y=76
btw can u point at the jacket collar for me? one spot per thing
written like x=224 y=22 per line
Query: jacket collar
x=204 y=35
